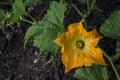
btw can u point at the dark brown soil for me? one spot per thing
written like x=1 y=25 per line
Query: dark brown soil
x=19 y=63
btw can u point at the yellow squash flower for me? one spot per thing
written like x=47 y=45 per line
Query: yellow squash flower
x=79 y=47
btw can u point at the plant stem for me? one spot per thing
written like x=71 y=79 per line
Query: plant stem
x=85 y=23
x=112 y=64
x=117 y=54
x=30 y=17
x=25 y=20
x=89 y=7
x=79 y=12
x=93 y=2
x=4 y=3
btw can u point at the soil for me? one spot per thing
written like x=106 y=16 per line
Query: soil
x=19 y=63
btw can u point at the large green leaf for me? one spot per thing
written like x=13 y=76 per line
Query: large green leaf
x=44 y=32
x=18 y=10
x=111 y=27
x=95 y=72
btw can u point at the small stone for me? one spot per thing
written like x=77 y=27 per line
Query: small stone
x=35 y=61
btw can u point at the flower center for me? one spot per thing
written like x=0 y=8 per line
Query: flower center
x=80 y=44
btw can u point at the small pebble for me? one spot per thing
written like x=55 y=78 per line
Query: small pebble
x=35 y=61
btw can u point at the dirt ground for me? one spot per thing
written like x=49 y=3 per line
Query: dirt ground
x=19 y=63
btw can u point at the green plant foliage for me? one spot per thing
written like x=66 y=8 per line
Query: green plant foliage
x=18 y=10
x=2 y=18
x=44 y=32
x=111 y=27
x=30 y=2
x=83 y=1
x=95 y=72
x=117 y=55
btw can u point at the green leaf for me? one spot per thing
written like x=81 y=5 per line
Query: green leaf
x=111 y=27
x=30 y=2
x=117 y=55
x=18 y=10
x=3 y=17
x=44 y=32
x=95 y=72
x=83 y=1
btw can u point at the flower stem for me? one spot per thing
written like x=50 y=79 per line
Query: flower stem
x=85 y=23
x=112 y=64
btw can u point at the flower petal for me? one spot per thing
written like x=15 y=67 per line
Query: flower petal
x=72 y=60
x=96 y=54
x=94 y=42
x=95 y=34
